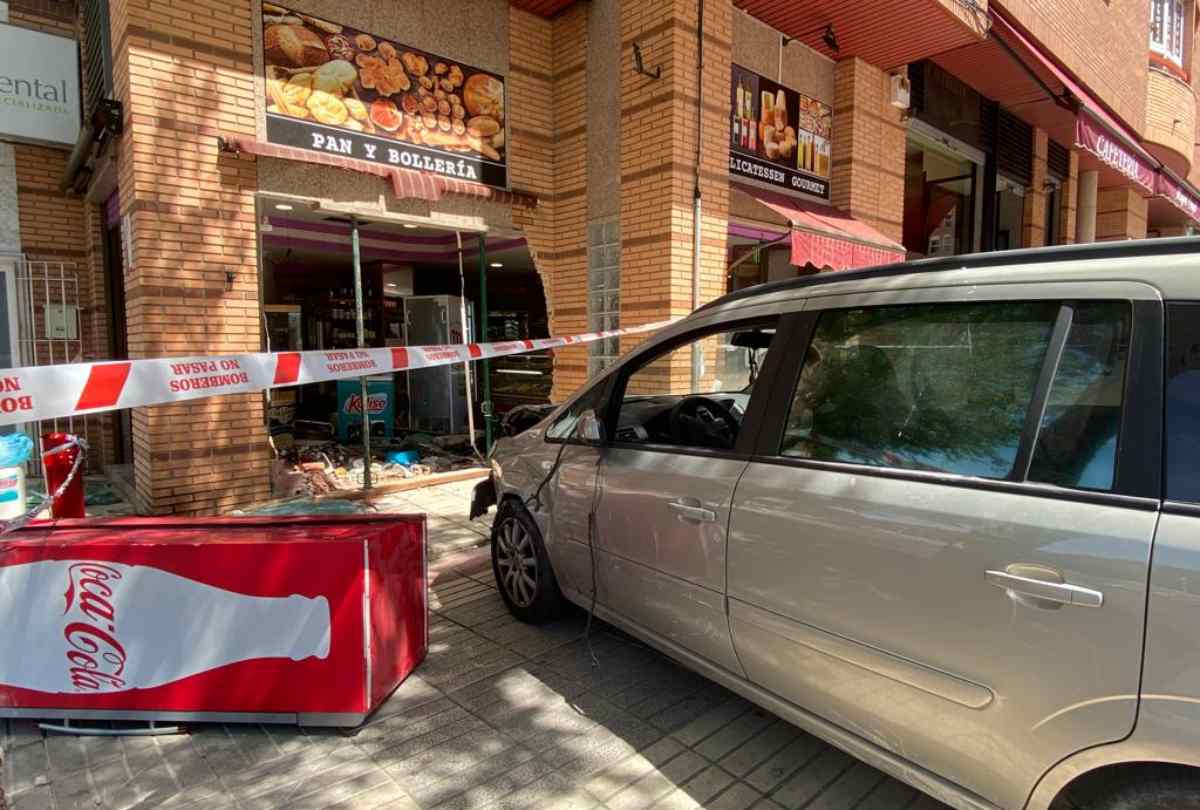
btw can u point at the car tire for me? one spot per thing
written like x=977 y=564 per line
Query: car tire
x=522 y=568
x=1165 y=788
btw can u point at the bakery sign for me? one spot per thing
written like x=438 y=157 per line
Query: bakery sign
x=335 y=89
x=778 y=136
x=39 y=86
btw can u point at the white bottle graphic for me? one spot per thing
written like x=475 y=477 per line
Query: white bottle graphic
x=88 y=626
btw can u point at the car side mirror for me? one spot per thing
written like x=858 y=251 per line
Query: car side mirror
x=589 y=428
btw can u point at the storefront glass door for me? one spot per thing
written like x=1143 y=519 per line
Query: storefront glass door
x=940 y=200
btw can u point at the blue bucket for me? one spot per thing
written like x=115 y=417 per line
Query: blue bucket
x=405 y=457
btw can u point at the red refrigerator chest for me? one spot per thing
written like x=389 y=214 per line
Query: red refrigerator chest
x=311 y=620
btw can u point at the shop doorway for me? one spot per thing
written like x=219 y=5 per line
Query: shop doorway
x=941 y=199
x=1010 y=213
x=413 y=294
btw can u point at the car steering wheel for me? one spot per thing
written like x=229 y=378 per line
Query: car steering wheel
x=703 y=422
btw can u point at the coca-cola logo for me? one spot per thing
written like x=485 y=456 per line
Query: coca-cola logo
x=95 y=658
x=376 y=403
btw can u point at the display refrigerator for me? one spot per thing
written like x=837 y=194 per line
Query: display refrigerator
x=437 y=397
x=309 y=620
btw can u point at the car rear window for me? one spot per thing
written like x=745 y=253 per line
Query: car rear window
x=1183 y=402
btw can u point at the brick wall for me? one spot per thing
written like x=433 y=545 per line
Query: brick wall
x=1068 y=202
x=1120 y=214
x=548 y=157
x=61 y=241
x=1105 y=44
x=658 y=159
x=1033 y=231
x=1170 y=119
x=868 y=148
x=183 y=70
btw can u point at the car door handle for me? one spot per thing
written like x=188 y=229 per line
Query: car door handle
x=1061 y=592
x=692 y=510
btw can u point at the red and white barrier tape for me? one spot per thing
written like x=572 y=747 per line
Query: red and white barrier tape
x=49 y=392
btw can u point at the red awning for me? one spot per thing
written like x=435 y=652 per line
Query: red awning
x=826 y=237
x=1011 y=68
x=406 y=183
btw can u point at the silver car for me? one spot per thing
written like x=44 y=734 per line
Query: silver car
x=944 y=515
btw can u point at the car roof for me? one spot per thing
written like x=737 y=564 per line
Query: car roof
x=1172 y=265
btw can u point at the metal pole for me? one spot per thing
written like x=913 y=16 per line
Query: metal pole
x=466 y=336
x=362 y=344
x=486 y=365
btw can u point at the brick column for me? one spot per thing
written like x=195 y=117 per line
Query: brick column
x=1033 y=232
x=1120 y=214
x=183 y=69
x=868 y=148
x=658 y=159
x=1068 y=202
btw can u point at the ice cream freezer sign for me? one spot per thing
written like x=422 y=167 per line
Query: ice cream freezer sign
x=335 y=89
x=778 y=135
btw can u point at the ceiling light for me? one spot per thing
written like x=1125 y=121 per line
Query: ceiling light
x=393 y=285
x=282 y=207
x=407 y=225
x=526 y=372
x=496 y=264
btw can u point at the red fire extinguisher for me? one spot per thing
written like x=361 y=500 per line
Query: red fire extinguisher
x=69 y=504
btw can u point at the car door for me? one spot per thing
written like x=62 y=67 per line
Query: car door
x=567 y=494
x=667 y=477
x=942 y=542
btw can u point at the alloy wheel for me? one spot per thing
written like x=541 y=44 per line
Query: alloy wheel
x=516 y=559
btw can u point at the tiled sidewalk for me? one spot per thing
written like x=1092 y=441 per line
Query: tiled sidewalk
x=500 y=715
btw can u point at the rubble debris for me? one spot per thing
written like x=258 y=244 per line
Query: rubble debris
x=306 y=469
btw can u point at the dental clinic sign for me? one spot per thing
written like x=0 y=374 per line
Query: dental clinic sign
x=39 y=86
x=1115 y=154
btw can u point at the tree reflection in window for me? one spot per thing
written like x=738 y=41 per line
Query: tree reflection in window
x=942 y=388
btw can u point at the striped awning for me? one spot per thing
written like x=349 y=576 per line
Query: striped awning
x=825 y=237
x=406 y=183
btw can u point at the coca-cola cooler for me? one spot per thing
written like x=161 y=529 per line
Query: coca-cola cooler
x=308 y=620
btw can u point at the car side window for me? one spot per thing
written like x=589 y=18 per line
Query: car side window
x=1183 y=402
x=564 y=426
x=662 y=405
x=1077 y=441
x=941 y=387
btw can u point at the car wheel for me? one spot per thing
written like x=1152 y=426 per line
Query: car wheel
x=522 y=567
x=1165 y=788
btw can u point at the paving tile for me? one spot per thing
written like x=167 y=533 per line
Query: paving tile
x=760 y=747
x=784 y=762
x=739 y=796
x=890 y=794
x=66 y=753
x=807 y=783
x=925 y=802
x=733 y=735
x=16 y=733
x=849 y=789
x=646 y=791
x=615 y=778
x=299 y=788
x=710 y=722
x=550 y=791
x=697 y=791
x=38 y=798
x=25 y=766
x=435 y=793
x=384 y=794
